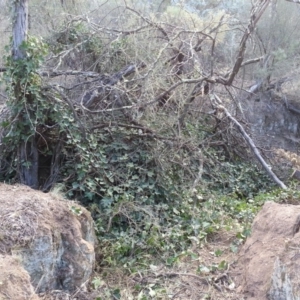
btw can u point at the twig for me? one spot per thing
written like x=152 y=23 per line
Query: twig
x=5 y=97
x=257 y=12
x=294 y=1
x=179 y=292
x=51 y=73
x=202 y=279
x=69 y=102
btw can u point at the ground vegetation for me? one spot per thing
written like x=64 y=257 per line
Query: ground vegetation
x=137 y=111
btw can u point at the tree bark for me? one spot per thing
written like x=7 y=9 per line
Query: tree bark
x=27 y=153
x=20 y=27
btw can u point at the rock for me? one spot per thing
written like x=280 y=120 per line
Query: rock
x=53 y=238
x=269 y=261
x=14 y=280
x=281 y=287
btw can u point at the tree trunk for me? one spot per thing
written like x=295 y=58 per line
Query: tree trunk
x=20 y=27
x=27 y=153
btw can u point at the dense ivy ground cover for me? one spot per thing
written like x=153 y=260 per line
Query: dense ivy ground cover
x=153 y=196
x=138 y=187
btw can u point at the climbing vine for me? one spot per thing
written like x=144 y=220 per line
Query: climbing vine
x=31 y=115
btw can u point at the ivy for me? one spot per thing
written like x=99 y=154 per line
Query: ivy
x=136 y=186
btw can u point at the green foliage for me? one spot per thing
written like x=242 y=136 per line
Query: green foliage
x=289 y=196
x=34 y=50
x=167 y=228
x=137 y=186
x=32 y=112
x=142 y=207
x=240 y=179
x=205 y=270
x=110 y=166
x=25 y=97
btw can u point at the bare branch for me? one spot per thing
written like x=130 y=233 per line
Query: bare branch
x=4 y=96
x=294 y=1
x=250 y=142
x=197 y=47
x=123 y=32
x=85 y=104
x=148 y=21
x=247 y=62
x=256 y=13
x=146 y=132
x=196 y=91
x=52 y=73
x=90 y=97
x=69 y=102
x=251 y=61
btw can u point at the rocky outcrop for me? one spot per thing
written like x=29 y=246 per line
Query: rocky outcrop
x=52 y=238
x=281 y=287
x=14 y=280
x=274 y=117
x=269 y=261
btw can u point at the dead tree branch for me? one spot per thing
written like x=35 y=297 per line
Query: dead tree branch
x=294 y=1
x=217 y=101
x=52 y=73
x=256 y=13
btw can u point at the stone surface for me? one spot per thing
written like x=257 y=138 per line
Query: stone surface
x=14 y=280
x=269 y=261
x=281 y=287
x=52 y=238
x=272 y=121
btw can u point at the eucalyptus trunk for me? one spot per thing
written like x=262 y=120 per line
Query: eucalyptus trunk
x=27 y=152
